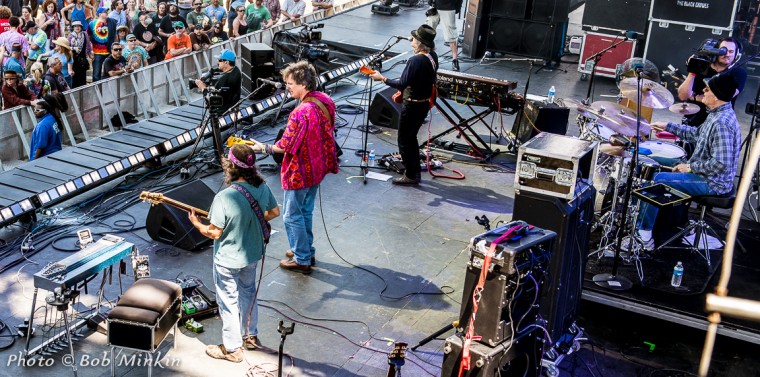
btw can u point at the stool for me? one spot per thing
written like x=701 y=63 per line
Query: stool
x=143 y=316
x=701 y=227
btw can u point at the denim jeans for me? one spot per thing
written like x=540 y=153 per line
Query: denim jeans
x=688 y=183
x=298 y=207
x=235 y=290
x=97 y=66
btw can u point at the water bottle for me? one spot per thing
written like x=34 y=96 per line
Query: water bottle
x=371 y=161
x=552 y=92
x=677 y=275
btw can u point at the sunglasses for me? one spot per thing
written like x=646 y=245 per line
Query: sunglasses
x=131 y=40
x=222 y=61
x=178 y=28
x=115 y=49
x=241 y=10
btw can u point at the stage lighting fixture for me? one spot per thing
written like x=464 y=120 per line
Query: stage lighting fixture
x=70 y=187
x=43 y=197
x=26 y=205
x=385 y=7
x=6 y=213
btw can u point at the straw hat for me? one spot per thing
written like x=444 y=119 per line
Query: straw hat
x=61 y=41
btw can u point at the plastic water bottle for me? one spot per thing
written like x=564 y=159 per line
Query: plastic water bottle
x=552 y=92
x=371 y=161
x=677 y=275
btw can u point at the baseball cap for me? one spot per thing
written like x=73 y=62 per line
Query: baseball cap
x=227 y=55
x=179 y=24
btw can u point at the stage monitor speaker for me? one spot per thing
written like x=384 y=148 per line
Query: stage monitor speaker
x=546 y=117
x=526 y=38
x=256 y=61
x=383 y=111
x=561 y=294
x=170 y=225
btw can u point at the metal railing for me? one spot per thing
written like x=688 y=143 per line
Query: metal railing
x=145 y=93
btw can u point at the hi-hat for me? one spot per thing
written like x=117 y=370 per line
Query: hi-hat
x=684 y=108
x=653 y=94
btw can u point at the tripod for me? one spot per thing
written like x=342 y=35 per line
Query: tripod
x=61 y=300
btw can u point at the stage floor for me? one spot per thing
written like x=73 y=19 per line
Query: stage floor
x=390 y=260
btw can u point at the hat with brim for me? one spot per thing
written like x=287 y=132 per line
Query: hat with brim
x=227 y=55
x=426 y=35
x=178 y=24
x=77 y=23
x=120 y=28
x=61 y=41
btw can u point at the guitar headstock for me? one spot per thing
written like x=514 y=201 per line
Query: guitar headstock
x=152 y=197
x=366 y=70
x=397 y=355
x=232 y=140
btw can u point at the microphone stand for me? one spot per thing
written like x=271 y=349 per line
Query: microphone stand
x=596 y=58
x=364 y=162
x=513 y=144
x=612 y=280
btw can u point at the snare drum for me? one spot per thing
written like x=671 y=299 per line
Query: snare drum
x=664 y=153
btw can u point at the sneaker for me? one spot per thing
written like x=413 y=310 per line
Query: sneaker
x=455 y=65
x=290 y=255
x=646 y=245
x=219 y=352
x=252 y=343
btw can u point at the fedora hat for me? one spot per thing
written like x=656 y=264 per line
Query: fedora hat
x=61 y=41
x=425 y=34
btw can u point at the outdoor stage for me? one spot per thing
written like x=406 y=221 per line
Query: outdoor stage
x=390 y=260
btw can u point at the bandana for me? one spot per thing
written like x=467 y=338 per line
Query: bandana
x=239 y=163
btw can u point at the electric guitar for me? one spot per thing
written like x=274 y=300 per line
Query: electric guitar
x=232 y=140
x=157 y=198
x=396 y=359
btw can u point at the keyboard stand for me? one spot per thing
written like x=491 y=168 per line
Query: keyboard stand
x=476 y=147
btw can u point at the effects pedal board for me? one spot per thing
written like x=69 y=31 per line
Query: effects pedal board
x=197 y=300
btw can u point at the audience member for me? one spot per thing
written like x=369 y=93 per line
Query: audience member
x=216 y=12
x=167 y=23
x=121 y=34
x=50 y=21
x=232 y=13
x=118 y=14
x=103 y=34
x=239 y=25
x=147 y=37
x=292 y=10
x=325 y=5
x=132 y=11
x=184 y=7
x=161 y=12
x=26 y=17
x=54 y=76
x=198 y=17
x=13 y=63
x=62 y=51
x=14 y=92
x=136 y=55
x=78 y=12
x=150 y=6
x=81 y=49
x=5 y=16
x=46 y=137
x=115 y=64
x=199 y=39
x=36 y=82
x=257 y=16
x=13 y=5
x=217 y=35
x=179 y=43
x=273 y=6
x=10 y=37
x=37 y=40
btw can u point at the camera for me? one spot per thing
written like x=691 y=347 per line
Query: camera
x=707 y=53
x=209 y=78
x=313 y=51
x=308 y=35
x=213 y=98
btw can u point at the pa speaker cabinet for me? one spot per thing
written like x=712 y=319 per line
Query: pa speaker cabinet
x=517 y=9
x=257 y=61
x=670 y=42
x=475 y=35
x=546 y=117
x=383 y=111
x=526 y=38
x=550 y=10
x=617 y=15
x=170 y=225
x=571 y=220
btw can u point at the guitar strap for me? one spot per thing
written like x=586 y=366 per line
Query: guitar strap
x=321 y=107
x=266 y=229
x=477 y=293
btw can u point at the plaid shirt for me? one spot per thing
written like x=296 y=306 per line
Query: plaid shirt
x=718 y=141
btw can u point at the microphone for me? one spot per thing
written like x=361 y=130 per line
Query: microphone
x=404 y=38
x=275 y=84
x=630 y=34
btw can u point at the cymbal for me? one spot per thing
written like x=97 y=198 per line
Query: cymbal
x=623 y=119
x=572 y=103
x=684 y=108
x=653 y=94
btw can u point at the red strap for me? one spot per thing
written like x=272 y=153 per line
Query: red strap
x=476 y=295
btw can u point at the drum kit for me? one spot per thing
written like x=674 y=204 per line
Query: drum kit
x=615 y=127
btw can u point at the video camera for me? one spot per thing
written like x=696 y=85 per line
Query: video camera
x=209 y=78
x=308 y=35
x=213 y=98
x=706 y=54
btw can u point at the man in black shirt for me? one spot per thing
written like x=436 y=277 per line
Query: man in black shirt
x=147 y=37
x=216 y=34
x=54 y=76
x=229 y=83
x=115 y=64
x=167 y=24
x=416 y=83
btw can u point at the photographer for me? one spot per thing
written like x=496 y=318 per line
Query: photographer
x=693 y=86
x=230 y=81
x=444 y=11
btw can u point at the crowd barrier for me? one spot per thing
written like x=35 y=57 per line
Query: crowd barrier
x=145 y=93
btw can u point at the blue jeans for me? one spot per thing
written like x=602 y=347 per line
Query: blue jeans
x=298 y=207
x=235 y=290
x=688 y=183
x=97 y=66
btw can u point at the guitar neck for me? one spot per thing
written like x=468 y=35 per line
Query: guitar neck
x=185 y=207
x=391 y=371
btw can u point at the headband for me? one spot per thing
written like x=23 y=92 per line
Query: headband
x=239 y=163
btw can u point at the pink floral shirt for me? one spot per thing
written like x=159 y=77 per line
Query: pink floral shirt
x=309 y=144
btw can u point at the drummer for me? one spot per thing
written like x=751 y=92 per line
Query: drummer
x=712 y=167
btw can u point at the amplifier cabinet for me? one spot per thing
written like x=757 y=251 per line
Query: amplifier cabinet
x=595 y=42
x=506 y=279
x=553 y=164
x=485 y=361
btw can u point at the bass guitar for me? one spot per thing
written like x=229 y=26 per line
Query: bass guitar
x=157 y=198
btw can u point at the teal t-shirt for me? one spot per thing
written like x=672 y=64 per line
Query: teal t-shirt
x=242 y=241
